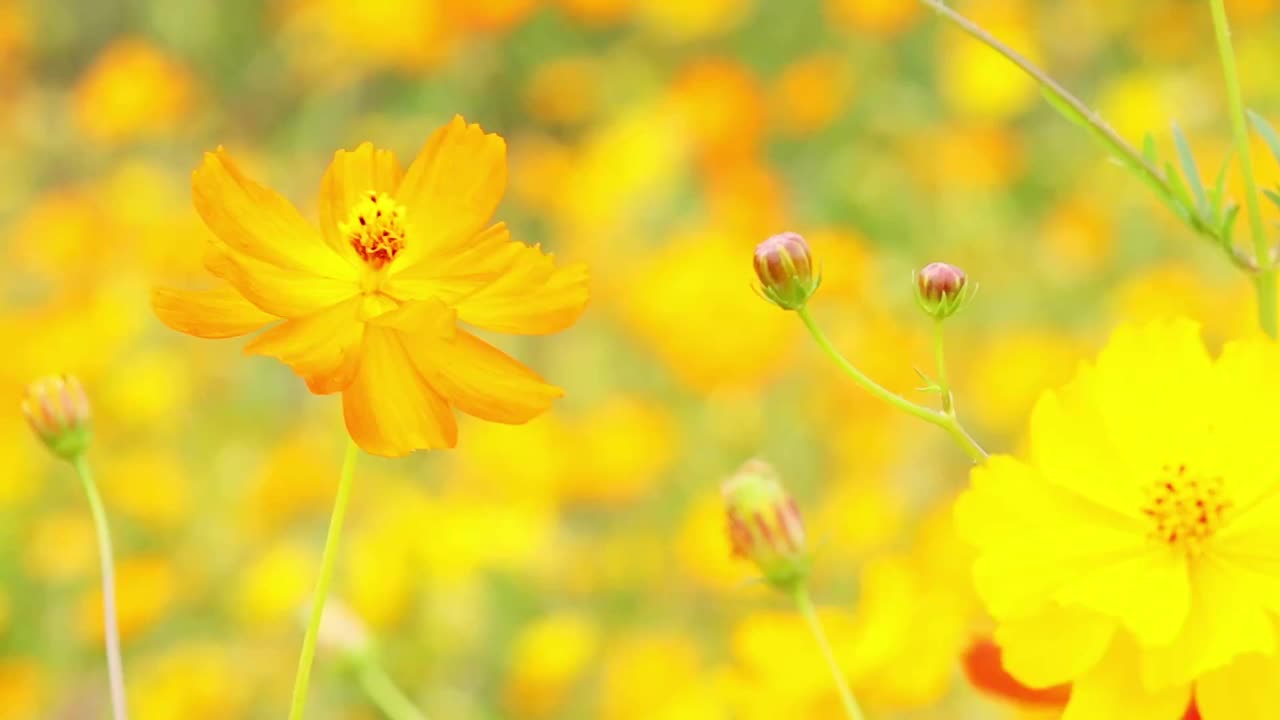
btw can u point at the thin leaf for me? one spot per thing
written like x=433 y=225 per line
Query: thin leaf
x=1229 y=224
x=1267 y=132
x=1273 y=196
x=1191 y=171
x=1176 y=185
x=1072 y=115
x=1220 y=187
x=1149 y=150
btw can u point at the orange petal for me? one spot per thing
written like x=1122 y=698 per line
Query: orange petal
x=453 y=276
x=350 y=176
x=984 y=667
x=220 y=313
x=279 y=291
x=258 y=222
x=323 y=349
x=451 y=189
x=390 y=409
x=531 y=297
x=481 y=380
x=429 y=318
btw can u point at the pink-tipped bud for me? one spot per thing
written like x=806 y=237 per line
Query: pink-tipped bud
x=765 y=526
x=58 y=411
x=942 y=289
x=784 y=267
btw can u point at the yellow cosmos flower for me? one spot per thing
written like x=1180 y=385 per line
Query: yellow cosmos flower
x=1136 y=552
x=371 y=300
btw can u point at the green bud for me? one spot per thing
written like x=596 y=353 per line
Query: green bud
x=765 y=526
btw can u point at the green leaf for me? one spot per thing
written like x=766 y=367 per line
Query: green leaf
x=1191 y=171
x=1176 y=185
x=1149 y=150
x=1229 y=224
x=1220 y=187
x=1072 y=115
x=1273 y=196
x=1267 y=132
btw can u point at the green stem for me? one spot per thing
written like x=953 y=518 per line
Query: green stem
x=111 y=631
x=1079 y=111
x=384 y=693
x=1265 y=280
x=327 y=561
x=805 y=604
x=945 y=421
x=943 y=386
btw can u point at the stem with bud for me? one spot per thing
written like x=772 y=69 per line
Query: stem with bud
x=805 y=604
x=111 y=631
x=328 y=560
x=945 y=420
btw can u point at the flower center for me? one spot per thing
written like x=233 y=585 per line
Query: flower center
x=1185 y=508
x=376 y=229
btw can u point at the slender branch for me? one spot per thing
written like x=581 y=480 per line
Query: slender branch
x=328 y=560
x=385 y=694
x=944 y=387
x=1265 y=280
x=111 y=630
x=946 y=421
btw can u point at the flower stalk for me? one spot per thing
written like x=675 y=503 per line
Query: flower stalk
x=805 y=605
x=1265 y=279
x=111 y=630
x=328 y=560
x=383 y=692
x=945 y=420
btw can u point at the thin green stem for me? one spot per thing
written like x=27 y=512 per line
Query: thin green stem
x=111 y=631
x=945 y=421
x=327 y=562
x=805 y=604
x=1265 y=280
x=384 y=693
x=944 y=387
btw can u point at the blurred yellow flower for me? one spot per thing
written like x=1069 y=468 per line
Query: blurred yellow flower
x=1009 y=369
x=597 y=12
x=147 y=589
x=722 y=107
x=371 y=302
x=194 y=681
x=270 y=592
x=61 y=546
x=133 y=89
x=623 y=448
x=22 y=688
x=547 y=660
x=887 y=18
x=811 y=93
x=492 y=15
x=976 y=82
x=684 y=21
x=564 y=91
x=1135 y=552
x=654 y=675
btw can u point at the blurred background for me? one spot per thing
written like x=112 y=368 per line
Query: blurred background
x=575 y=567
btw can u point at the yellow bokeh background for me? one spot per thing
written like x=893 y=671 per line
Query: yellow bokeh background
x=576 y=567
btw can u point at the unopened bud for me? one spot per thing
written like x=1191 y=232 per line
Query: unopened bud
x=342 y=632
x=765 y=526
x=942 y=289
x=785 y=269
x=58 y=411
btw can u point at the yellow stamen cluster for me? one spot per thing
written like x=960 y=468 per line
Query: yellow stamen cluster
x=376 y=229
x=1185 y=508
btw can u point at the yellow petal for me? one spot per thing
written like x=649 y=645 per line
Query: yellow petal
x=1226 y=620
x=481 y=380
x=1248 y=688
x=1055 y=646
x=1114 y=691
x=323 y=349
x=499 y=284
x=531 y=297
x=279 y=291
x=258 y=222
x=422 y=318
x=351 y=175
x=220 y=313
x=1034 y=539
x=389 y=408
x=1149 y=593
x=451 y=189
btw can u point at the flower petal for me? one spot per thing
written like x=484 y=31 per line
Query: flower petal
x=1114 y=691
x=258 y=222
x=1247 y=688
x=351 y=175
x=481 y=380
x=282 y=292
x=499 y=284
x=389 y=408
x=1226 y=620
x=1055 y=646
x=451 y=190
x=220 y=313
x=323 y=349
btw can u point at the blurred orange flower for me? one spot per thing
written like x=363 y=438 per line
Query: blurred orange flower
x=133 y=89
x=371 y=301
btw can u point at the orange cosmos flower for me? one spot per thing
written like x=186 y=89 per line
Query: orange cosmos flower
x=371 y=300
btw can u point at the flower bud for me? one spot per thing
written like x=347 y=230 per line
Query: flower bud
x=342 y=632
x=58 y=410
x=942 y=289
x=785 y=269
x=765 y=527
